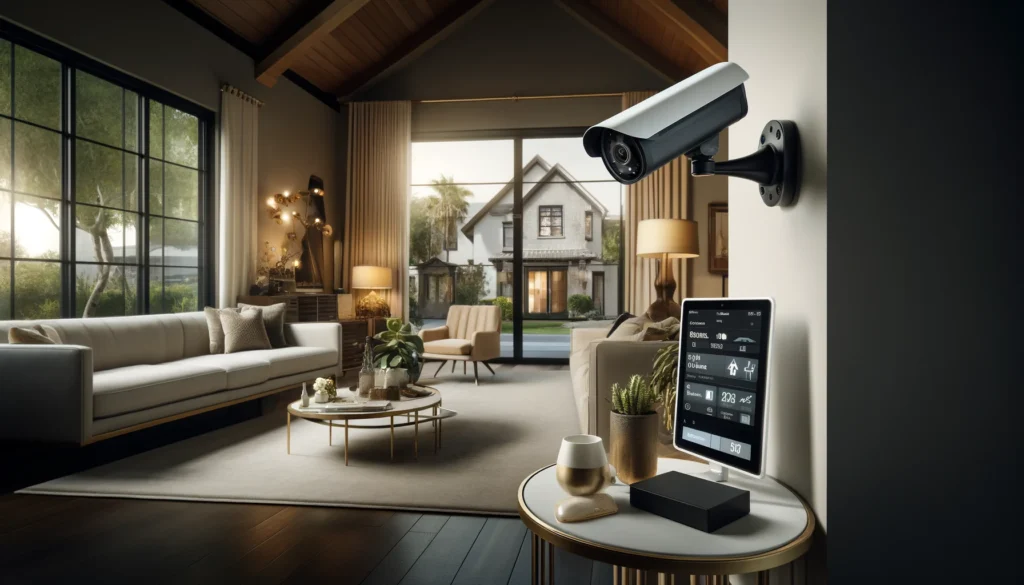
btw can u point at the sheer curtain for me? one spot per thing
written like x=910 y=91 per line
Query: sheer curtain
x=237 y=206
x=377 y=198
x=664 y=194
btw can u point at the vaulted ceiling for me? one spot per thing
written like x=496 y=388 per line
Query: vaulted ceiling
x=336 y=47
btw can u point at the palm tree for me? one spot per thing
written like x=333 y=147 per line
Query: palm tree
x=446 y=207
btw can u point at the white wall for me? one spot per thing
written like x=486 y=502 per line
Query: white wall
x=152 y=41
x=781 y=252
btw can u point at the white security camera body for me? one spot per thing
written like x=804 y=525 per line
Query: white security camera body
x=686 y=119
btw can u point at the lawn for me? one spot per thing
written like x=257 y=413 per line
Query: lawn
x=538 y=327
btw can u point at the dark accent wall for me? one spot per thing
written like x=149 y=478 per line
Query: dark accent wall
x=925 y=291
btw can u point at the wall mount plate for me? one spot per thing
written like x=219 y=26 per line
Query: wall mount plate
x=782 y=136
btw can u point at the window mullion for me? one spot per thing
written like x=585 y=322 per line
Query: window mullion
x=68 y=186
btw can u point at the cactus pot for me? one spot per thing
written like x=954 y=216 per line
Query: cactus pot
x=634 y=446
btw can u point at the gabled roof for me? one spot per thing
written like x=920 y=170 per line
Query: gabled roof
x=552 y=172
x=467 y=228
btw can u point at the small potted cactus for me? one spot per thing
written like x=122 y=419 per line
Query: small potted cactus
x=634 y=430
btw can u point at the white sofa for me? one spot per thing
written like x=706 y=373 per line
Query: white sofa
x=113 y=375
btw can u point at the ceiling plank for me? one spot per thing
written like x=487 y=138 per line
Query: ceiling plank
x=281 y=56
x=596 y=21
x=711 y=49
x=708 y=17
x=445 y=23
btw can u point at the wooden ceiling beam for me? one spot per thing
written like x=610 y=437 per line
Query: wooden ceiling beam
x=710 y=48
x=448 y=21
x=598 y=22
x=281 y=55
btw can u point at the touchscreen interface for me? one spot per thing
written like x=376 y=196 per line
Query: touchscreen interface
x=721 y=388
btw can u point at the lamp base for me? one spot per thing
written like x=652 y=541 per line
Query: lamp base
x=372 y=306
x=662 y=309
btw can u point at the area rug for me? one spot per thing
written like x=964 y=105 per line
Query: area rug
x=506 y=428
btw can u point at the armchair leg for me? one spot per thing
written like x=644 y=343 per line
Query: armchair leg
x=463 y=368
x=476 y=377
x=488 y=366
x=439 y=368
x=453 y=366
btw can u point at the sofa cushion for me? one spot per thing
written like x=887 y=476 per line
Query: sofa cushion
x=126 y=341
x=243 y=369
x=244 y=330
x=449 y=347
x=273 y=321
x=286 y=361
x=130 y=388
x=32 y=335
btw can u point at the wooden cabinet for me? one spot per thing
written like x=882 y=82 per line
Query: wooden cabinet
x=353 y=341
x=302 y=308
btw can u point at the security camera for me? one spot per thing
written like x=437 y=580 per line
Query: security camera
x=686 y=119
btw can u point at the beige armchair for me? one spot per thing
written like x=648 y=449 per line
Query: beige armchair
x=472 y=334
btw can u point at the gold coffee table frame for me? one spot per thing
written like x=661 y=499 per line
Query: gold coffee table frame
x=410 y=408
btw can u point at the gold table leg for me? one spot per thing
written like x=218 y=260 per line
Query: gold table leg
x=434 y=422
x=330 y=433
x=416 y=437
x=392 y=437
x=289 y=441
x=346 y=442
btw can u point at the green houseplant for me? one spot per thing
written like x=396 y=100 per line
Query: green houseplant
x=663 y=382
x=399 y=347
x=634 y=430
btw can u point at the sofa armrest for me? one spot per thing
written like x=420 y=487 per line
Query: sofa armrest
x=580 y=337
x=46 y=393
x=614 y=362
x=434 y=333
x=486 y=345
x=315 y=335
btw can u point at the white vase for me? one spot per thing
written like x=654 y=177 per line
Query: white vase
x=321 y=397
x=397 y=378
x=380 y=378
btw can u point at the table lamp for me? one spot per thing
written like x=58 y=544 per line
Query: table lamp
x=372 y=278
x=665 y=239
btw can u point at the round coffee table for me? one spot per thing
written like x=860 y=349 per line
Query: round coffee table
x=777 y=530
x=410 y=408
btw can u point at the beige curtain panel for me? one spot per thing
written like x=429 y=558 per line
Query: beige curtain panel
x=239 y=199
x=377 y=192
x=664 y=194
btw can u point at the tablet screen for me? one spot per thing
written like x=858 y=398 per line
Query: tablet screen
x=722 y=389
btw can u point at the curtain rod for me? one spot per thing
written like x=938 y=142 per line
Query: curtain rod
x=516 y=98
x=239 y=93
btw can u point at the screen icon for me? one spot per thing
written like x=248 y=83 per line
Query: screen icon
x=744 y=418
x=709 y=395
x=732 y=368
x=749 y=369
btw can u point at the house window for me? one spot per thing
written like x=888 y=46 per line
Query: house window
x=451 y=237
x=550 y=221
x=103 y=189
x=588 y=225
x=506 y=236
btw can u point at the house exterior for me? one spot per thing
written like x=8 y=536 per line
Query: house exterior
x=562 y=243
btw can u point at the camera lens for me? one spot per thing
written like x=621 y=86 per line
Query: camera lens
x=620 y=153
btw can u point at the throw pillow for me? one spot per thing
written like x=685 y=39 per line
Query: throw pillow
x=273 y=321
x=661 y=330
x=618 y=321
x=216 y=330
x=32 y=335
x=631 y=329
x=243 y=330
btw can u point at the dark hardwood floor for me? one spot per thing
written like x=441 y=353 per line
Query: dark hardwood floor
x=52 y=539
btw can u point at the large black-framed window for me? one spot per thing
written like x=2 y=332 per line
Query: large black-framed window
x=105 y=188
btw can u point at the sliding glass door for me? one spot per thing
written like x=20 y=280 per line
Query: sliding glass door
x=524 y=221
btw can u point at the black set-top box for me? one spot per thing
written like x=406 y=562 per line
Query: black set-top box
x=695 y=502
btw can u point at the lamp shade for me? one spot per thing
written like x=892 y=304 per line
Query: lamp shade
x=371 y=277
x=675 y=237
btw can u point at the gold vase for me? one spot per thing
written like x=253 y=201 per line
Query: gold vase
x=634 y=446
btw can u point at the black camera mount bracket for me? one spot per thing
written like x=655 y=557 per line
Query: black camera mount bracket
x=773 y=166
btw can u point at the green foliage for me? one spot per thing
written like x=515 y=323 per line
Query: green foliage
x=470 y=285
x=506 y=307
x=664 y=378
x=402 y=348
x=611 y=231
x=580 y=305
x=636 y=398
x=422 y=244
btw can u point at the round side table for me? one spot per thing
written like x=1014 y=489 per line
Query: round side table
x=636 y=543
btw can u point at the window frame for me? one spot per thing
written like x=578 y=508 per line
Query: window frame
x=508 y=239
x=72 y=62
x=588 y=225
x=561 y=221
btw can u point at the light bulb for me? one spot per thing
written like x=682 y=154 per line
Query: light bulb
x=270 y=201
x=296 y=263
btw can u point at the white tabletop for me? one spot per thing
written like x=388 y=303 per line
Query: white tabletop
x=777 y=517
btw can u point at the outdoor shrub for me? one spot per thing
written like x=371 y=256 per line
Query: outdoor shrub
x=506 y=307
x=470 y=285
x=594 y=315
x=580 y=305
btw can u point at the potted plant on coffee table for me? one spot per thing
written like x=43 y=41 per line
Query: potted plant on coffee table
x=634 y=430
x=399 y=348
x=663 y=381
